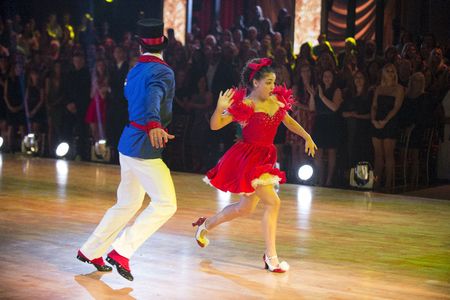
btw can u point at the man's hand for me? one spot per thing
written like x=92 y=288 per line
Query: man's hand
x=159 y=138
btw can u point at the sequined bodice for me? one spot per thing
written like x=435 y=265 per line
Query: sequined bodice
x=261 y=128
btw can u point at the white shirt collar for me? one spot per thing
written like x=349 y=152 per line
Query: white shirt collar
x=158 y=55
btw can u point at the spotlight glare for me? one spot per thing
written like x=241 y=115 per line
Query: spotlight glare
x=62 y=149
x=1 y=142
x=305 y=172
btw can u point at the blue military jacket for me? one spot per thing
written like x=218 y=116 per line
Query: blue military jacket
x=149 y=90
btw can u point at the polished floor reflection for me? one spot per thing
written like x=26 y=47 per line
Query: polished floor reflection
x=340 y=244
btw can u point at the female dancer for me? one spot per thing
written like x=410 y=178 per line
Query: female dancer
x=247 y=168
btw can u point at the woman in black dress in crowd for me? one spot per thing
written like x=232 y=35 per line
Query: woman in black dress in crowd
x=54 y=99
x=326 y=131
x=34 y=96
x=387 y=101
x=417 y=110
x=356 y=113
x=15 y=113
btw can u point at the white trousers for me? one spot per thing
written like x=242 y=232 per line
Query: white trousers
x=138 y=176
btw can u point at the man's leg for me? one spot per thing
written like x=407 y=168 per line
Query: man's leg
x=130 y=195
x=155 y=177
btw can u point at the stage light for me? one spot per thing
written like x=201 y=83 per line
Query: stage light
x=1 y=142
x=30 y=144
x=62 y=149
x=109 y=1
x=305 y=172
x=100 y=151
x=100 y=148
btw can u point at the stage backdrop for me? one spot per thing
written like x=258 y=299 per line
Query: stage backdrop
x=364 y=22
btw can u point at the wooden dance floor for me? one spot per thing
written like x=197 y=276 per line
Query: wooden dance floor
x=340 y=244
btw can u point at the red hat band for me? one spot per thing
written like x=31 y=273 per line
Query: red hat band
x=153 y=41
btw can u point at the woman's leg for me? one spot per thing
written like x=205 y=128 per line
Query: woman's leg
x=272 y=206
x=379 y=160
x=320 y=167
x=244 y=207
x=331 y=166
x=389 y=147
x=94 y=131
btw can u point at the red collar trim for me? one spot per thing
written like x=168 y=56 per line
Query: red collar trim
x=151 y=58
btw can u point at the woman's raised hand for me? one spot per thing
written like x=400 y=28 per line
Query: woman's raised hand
x=225 y=99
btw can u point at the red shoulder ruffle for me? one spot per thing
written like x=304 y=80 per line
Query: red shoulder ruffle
x=284 y=95
x=238 y=109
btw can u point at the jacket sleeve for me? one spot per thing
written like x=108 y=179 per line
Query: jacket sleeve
x=156 y=89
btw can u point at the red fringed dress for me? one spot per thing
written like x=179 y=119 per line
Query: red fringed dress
x=240 y=168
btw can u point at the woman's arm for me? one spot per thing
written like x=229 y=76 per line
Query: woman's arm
x=361 y=116
x=399 y=96
x=292 y=125
x=5 y=96
x=331 y=104
x=218 y=119
x=39 y=104
x=296 y=128
x=373 y=109
x=312 y=103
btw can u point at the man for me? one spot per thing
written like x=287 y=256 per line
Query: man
x=76 y=90
x=149 y=89
x=116 y=106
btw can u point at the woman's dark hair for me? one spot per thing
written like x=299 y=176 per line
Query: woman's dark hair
x=301 y=92
x=333 y=84
x=352 y=85
x=245 y=75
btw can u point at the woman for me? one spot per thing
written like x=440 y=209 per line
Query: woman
x=54 y=96
x=248 y=168
x=326 y=132
x=301 y=112
x=356 y=113
x=200 y=105
x=95 y=115
x=15 y=113
x=387 y=100
x=34 y=96
x=417 y=110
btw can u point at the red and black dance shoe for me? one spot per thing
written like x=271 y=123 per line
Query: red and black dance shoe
x=98 y=263
x=121 y=263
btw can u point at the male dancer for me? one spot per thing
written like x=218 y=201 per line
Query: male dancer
x=149 y=89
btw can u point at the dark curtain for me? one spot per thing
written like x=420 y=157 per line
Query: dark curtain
x=202 y=13
x=229 y=12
